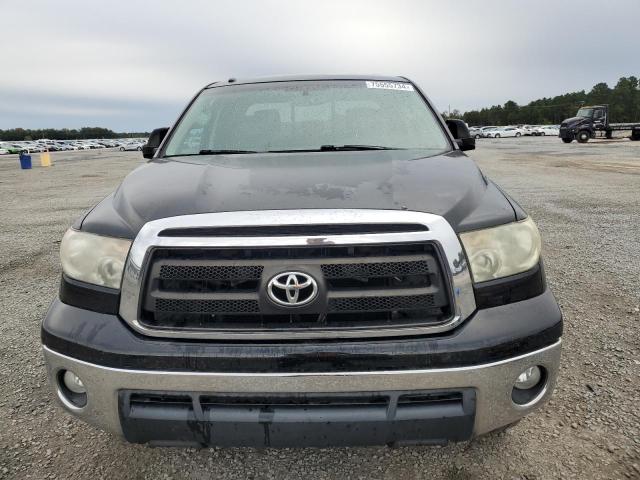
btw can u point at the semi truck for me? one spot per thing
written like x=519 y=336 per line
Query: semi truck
x=593 y=119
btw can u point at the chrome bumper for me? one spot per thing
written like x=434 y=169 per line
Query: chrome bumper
x=493 y=383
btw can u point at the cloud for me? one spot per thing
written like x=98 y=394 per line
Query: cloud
x=129 y=64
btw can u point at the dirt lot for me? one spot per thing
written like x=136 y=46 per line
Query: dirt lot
x=586 y=200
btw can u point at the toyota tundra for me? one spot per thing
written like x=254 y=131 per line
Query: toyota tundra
x=304 y=261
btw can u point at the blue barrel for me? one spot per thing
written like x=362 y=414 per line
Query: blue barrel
x=25 y=161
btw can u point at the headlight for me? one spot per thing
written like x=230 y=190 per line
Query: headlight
x=502 y=251
x=93 y=258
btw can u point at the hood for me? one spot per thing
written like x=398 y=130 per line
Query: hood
x=450 y=185
x=574 y=121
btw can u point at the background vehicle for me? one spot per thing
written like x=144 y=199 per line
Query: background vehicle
x=11 y=148
x=527 y=129
x=552 y=130
x=475 y=132
x=131 y=146
x=504 y=132
x=592 y=119
x=484 y=130
x=3 y=151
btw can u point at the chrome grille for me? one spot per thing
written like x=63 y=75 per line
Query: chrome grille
x=363 y=285
x=353 y=253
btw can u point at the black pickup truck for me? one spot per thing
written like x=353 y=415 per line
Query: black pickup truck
x=593 y=119
x=304 y=261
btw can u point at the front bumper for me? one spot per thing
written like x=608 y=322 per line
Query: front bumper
x=490 y=406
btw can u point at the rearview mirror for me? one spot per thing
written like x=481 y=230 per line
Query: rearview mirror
x=461 y=134
x=155 y=139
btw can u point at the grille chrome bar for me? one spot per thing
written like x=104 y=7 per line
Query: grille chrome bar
x=437 y=231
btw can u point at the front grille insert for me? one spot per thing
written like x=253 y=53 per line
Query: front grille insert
x=302 y=400
x=297 y=419
x=367 y=286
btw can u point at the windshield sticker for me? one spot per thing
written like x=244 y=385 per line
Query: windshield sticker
x=407 y=87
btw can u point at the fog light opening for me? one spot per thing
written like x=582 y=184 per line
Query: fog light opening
x=529 y=386
x=71 y=389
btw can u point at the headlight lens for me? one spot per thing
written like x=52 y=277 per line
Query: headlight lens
x=94 y=258
x=502 y=251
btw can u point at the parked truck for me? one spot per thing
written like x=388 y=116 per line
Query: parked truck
x=305 y=260
x=593 y=119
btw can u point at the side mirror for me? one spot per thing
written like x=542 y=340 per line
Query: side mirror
x=460 y=132
x=155 y=139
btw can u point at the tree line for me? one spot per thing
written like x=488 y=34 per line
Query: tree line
x=623 y=100
x=18 y=134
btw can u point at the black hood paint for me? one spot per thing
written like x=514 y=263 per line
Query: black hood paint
x=450 y=185
x=569 y=122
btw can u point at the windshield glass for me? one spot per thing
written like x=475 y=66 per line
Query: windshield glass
x=307 y=115
x=585 y=112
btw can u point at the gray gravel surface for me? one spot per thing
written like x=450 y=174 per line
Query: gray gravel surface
x=586 y=200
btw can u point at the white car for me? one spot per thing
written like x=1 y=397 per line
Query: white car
x=504 y=132
x=528 y=129
x=3 y=151
x=131 y=146
x=484 y=130
x=34 y=147
x=475 y=132
x=551 y=130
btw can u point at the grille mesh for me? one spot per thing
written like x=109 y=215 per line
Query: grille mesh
x=164 y=305
x=213 y=272
x=373 y=304
x=385 y=269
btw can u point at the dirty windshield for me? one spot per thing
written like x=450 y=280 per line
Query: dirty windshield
x=308 y=116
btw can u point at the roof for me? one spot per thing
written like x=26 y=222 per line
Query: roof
x=292 y=78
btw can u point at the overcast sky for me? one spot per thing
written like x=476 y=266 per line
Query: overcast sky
x=133 y=65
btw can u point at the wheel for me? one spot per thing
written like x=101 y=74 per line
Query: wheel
x=477 y=136
x=542 y=134
x=122 y=149
x=567 y=140
x=139 y=149
x=518 y=134
x=583 y=136
x=497 y=135
x=609 y=134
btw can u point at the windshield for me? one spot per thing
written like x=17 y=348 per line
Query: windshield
x=307 y=115
x=585 y=113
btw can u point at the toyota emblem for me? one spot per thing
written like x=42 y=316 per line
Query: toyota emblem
x=292 y=289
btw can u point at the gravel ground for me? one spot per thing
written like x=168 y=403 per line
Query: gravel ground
x=586 y=200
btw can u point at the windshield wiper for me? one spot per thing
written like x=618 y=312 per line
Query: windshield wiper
x=336 y=148
x=331 y=148
x=223 y=151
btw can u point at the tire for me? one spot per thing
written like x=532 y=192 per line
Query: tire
x=567 y=140
x=583 y=136
x=518 y=134
x=139 y=149
x=609 y=135
x=122 y=149
x=477 y=136
x=497 y=135
x=542 y=134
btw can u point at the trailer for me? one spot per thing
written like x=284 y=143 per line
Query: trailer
x=591 y=120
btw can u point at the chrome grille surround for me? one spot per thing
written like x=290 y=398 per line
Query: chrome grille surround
x=439 y=233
